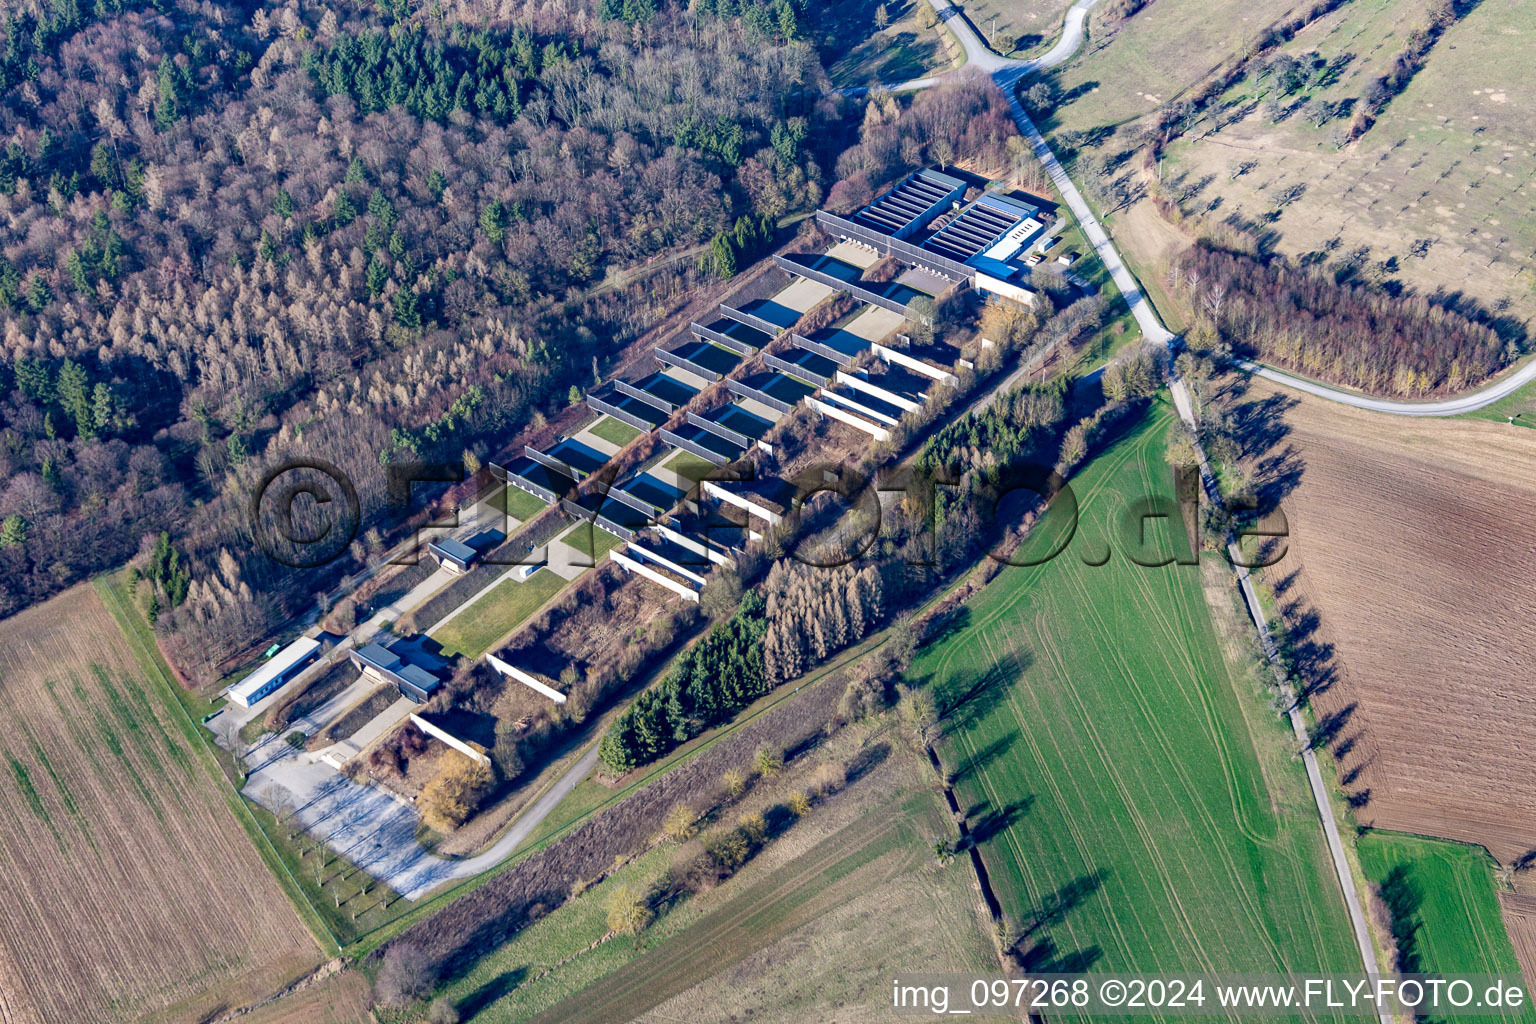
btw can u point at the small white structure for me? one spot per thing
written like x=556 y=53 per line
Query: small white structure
x=526 y=678
x=267 y=680
x=448 y=738
x=769 y=515
x=631 y=565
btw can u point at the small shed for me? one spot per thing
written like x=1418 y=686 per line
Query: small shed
x=453 y=555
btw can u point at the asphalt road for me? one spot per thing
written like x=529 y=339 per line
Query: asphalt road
x=1007 y=74
x=1448 y=407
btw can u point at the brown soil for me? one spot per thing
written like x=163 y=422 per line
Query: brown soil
x=130 y=888
x=590 y=631
x=1408 y=577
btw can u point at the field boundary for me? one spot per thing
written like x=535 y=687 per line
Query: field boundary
x=159 y=681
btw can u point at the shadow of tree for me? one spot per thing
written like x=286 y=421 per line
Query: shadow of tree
x=1329 y=726
x=984 y=826
x=491 y=991
x=978 y=761
x=960 y=704
x=866 y=760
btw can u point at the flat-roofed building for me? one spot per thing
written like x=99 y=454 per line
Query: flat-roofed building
x=282 y=669
x=379 y=662
x=991 y=236
x=914 y=201
x=453 y=555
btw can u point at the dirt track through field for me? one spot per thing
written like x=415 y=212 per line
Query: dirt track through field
x=130 y=888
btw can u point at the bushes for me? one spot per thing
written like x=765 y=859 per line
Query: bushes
x=727 y=848
x=711 y=681
x=455 y=793
x=680 y=824
x=628 y=911
x=863 y=697
x=406 y=975
x=467 y=927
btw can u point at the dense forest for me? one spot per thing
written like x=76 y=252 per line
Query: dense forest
x=235 y=236
x=1350 y=334
x=967 y=119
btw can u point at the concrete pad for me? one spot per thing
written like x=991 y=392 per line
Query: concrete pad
x=563 y=560
x=760 y=410
x=874 y=324
x=861 y=256
x=688 y=377
x=596 y=443
x=382 y=723
x=925 y=281
x=802 y=295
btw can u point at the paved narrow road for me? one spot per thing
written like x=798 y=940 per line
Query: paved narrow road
x=1501 y=388
x=1007 y=74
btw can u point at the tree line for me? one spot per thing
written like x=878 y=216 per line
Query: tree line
x=710 y=681
x=1349 y=334
x=814 y=612
x=1405 y=64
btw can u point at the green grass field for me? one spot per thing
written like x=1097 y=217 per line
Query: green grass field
x=614 y=431
x=473 y=631
x=591 y=540
x=1519 y=407
x=1130 y=804
x=517 y=503
x=1458 y=924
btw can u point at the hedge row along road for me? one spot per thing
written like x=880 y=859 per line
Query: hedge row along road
x=1007 y=73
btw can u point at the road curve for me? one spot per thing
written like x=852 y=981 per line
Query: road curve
x=1447 y=407
x=977 y=54
x=1071 y=38
x=1007 y=74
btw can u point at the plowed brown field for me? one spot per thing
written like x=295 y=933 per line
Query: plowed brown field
x=1413 y=559
x=129 y=888
x=1415 y=542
